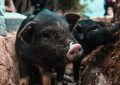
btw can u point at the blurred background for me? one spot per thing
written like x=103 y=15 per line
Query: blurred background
x=86 y=8
x=13 y=12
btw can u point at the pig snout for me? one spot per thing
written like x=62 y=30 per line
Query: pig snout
x=74 y=52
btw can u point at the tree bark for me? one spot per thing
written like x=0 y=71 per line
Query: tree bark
x=116 y=11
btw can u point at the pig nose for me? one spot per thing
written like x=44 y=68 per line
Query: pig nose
x=74 y=51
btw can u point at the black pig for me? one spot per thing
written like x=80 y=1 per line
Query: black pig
x=43 y=44
x=89 y=34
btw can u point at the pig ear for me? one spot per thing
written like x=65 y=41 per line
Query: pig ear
x=72 y=18
x=26 y=33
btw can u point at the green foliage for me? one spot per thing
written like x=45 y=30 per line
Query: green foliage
x=73 y=5
x=77 y=7
x=67 y=5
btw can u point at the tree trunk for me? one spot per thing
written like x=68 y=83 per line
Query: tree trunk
x=102 y=66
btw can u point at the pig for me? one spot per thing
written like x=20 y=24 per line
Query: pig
x=44 y=44
x=89 y=34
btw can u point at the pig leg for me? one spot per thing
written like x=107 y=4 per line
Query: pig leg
x=46 y=78
x=35 y=75
x=24 y=78
x=29 y=74
x=76 y=68
x=45 y=75
x=60 y=73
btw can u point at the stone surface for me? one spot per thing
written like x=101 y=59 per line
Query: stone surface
x=13 y=21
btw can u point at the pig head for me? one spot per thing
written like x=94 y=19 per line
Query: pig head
x=45 y=43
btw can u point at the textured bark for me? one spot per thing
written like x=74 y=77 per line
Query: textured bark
x=102 y=66
x=117 y=11
x=9 y=73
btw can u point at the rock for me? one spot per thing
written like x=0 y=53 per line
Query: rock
x=9 y=74
x=13 y=21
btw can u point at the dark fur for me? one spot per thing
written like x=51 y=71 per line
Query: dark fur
x=91 y=34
